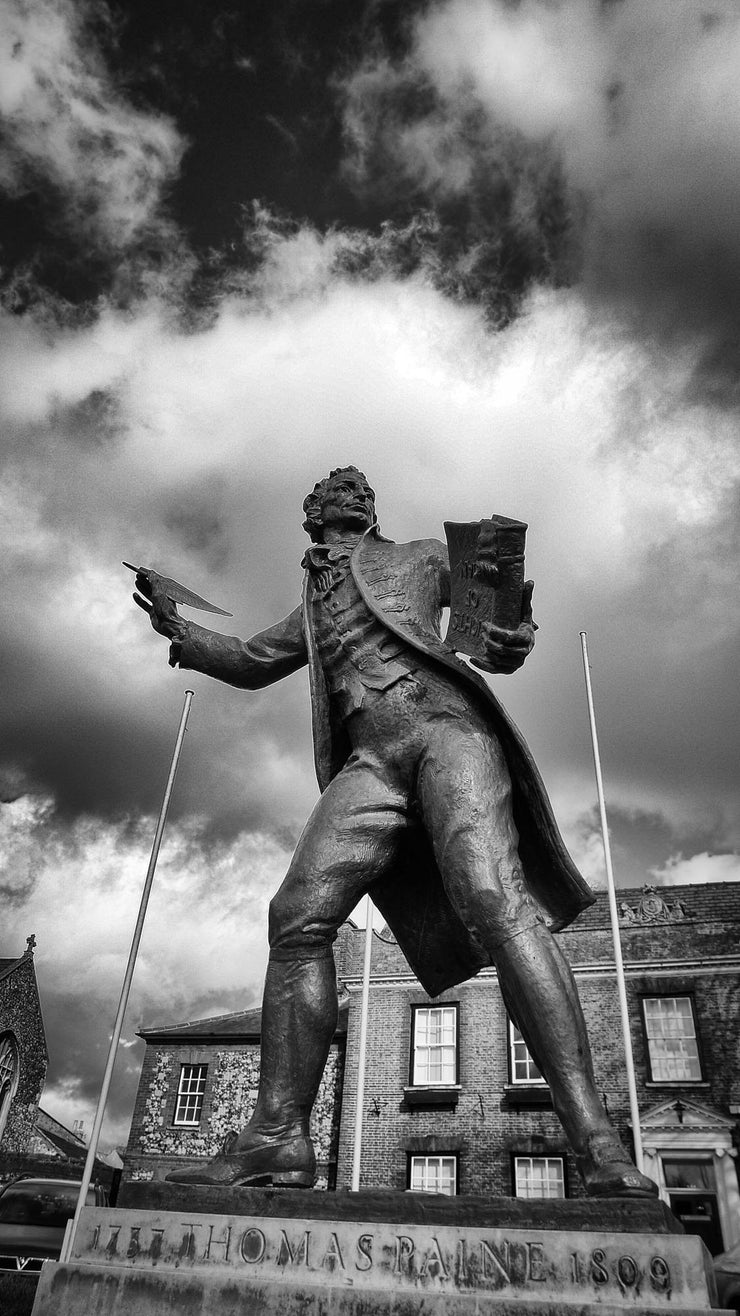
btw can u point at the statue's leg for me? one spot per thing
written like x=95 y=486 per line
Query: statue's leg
x=350 y=840
x=465 y=795
x=542 y=999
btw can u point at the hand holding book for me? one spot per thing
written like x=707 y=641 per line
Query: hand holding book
x=490 y=602
x=505 y=650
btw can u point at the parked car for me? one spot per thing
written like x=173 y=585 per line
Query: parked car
x=33 y=1217
x=727 y=1274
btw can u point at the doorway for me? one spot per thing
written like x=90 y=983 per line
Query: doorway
x=692 y=1192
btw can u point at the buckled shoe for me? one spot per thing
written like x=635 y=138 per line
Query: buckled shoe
x=283 y=1161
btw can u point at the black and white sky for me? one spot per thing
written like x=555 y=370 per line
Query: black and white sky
x=488 y=251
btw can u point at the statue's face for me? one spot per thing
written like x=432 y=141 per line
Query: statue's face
x=347 y=503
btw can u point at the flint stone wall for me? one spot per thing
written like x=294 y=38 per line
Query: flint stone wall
x=156 y=1145
x=20 y=1015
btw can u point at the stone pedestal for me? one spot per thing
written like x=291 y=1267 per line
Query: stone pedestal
x=201 y=1251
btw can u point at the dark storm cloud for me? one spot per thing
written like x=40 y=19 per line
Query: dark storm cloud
x=267 y=102
x=484 y=211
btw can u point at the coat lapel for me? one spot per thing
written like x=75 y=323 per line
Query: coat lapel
x=330 y=742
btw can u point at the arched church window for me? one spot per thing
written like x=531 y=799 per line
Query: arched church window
x=9 y=1070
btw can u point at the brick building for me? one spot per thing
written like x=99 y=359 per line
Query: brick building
x=452 y=1100
x=23 y=1054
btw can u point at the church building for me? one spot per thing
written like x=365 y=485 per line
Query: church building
x=23 y=1053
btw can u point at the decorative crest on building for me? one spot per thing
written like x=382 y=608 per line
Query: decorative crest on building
x=652 y=908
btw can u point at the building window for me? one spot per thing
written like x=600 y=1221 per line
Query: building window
x=8 y=1062
x=190 y=1094
x=671 y=1039
x=9 y=1072
x=434 y=1045
x=539 y=1176
x=521 y=1065
x=433 y=1174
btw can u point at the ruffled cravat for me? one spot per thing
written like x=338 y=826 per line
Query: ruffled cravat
x=322 y=560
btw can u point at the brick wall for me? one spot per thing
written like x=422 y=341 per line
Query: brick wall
x=479 y=1129
x=697 y=955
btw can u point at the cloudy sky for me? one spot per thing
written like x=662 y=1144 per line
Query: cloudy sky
x=485 y=249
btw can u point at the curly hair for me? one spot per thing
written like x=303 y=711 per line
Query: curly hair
x=312 y=502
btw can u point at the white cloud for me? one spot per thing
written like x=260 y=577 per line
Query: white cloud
x=67 y=125
x=704 y=867
x=643 y=100
x=541 y=68
x=78 y=888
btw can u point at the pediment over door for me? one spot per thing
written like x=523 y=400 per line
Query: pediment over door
x=678 y=1134
x=677 y=1118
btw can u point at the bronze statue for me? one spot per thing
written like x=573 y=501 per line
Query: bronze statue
x=430 y=801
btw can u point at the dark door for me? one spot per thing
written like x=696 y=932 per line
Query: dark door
x=692 y=1190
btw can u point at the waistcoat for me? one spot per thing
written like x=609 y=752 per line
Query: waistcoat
x=356 y=652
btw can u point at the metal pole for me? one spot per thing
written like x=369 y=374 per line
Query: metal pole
x=360 y=1101
x=618 y=961
x=125 y=989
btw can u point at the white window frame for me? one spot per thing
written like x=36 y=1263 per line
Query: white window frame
x=190 y=1096
x=523 y=1072
x=551 y=1174
x=660 y=1034
x=434 y=1022
x=427 y=1172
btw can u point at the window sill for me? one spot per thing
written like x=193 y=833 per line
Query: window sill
x=674 y=1083
x=426 y=1192
x=432 y=1096
x=523 y=1096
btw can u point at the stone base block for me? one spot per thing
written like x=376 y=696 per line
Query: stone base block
x=98 y=1291
x=402 y=1258
x=631 y=1215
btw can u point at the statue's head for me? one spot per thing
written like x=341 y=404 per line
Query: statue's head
x=345 y=492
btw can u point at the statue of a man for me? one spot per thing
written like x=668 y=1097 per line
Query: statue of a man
x=430 y=802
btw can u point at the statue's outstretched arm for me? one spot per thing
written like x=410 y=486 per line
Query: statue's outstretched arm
x=250 y=664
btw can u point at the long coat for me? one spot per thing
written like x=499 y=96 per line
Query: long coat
x=406 y=586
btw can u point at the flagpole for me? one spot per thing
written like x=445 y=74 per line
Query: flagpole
x=618 y=961
x=69 y=1236
x=360 y=1100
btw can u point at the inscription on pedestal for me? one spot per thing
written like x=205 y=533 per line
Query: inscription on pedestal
x=610 y=1268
